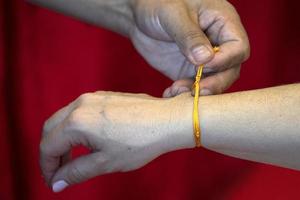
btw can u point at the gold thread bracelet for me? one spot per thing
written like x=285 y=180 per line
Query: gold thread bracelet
x=196 y=123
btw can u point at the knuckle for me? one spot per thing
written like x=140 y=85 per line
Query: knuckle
x=46 y=128
x=176 y=84
x=246 y=52
x=226 y=81
x=101 y=162
x=221 y=84
x=103 y=96
x=84 y=98
x=75 y=118
x=43 y=147
x=237 y=73
x=231 y=7
x=188 y=40
x=220 y=88
x=75 y=175
x=77 y=123
x=240 y=56
x=191 y=35
x=100 y=93
x=165 y=14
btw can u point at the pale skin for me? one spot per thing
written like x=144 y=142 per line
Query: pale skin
x=173 y=36
x=127 y=131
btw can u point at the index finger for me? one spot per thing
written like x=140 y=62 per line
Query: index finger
x=53 y=146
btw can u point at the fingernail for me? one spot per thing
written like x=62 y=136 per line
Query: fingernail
x=205 y=92
x=201 y=54
x=59 y=186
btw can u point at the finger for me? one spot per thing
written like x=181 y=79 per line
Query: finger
x=79 y=170
x=186 y=32
x=52 y=147
x=179 y=87
x=63 y=113
x=60 y=115
x=167 y=93
x=230 y=54
x=214 y=84
x=56 y=145
x=224 y=28
x=57 y=118
x=219 y=82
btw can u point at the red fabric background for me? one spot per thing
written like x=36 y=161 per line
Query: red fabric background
x=47 y=60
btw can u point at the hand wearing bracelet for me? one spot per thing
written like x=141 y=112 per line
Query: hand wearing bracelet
x=127 y=131
x=123 y=131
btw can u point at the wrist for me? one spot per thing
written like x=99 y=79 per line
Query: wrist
x=182 y=132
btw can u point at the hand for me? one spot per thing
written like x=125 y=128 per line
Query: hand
x=174 y=36
x=123 y=132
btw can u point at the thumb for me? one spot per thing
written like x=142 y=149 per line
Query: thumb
x=186 y=32
x=79 y=170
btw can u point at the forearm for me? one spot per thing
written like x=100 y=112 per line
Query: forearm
x=260 y=125
x=115 y=15
x=126 y=131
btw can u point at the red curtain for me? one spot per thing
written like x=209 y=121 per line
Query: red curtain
x=47 y=60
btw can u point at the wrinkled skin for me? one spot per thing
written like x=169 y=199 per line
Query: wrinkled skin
x=168 y=32
x=123 y=131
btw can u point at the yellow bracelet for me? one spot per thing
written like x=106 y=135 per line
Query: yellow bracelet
x=197 y=130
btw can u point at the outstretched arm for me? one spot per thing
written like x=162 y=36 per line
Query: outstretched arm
x=260 y=125
x=173 y=36
x=126 y=131
x=115 y=15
